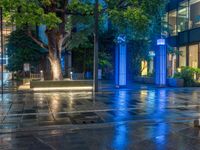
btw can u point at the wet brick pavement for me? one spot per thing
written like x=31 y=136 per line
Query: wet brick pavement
x=112 y=119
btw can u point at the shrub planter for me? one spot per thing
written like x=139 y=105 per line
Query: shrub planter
x=175 y=82
x=68 y=85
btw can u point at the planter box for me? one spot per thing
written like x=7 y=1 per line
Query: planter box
x=61 y=85
x=174 y=82
x=145 y=80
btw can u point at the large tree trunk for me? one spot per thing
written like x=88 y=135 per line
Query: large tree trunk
x=55 y=46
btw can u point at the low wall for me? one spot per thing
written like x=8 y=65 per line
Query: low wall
x=61 y=85
x=172 y=82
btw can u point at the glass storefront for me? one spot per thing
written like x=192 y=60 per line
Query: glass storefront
x=194 y=14
x=183 y=16
x=7 y=29
x=171 y=64
x=182 y=56
x=164 y=30
x=186 y=16
x=193 y=56
x=172 y=22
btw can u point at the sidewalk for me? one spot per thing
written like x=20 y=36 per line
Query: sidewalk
x=35 y=110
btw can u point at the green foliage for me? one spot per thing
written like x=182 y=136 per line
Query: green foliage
x=187 y=74
x=82 y=32
x=139 y=20
x=43 y=12
x=22 y=49
x=29 y=12
x=105 y=60
x=83 y=54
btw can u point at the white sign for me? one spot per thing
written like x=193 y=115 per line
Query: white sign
x=152 y=53
x=26 y=67
x=161 y=42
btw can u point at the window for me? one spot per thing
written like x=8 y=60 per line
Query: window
x=144 y=68
x=193 y=56
x=165 y=25
x=182 y=56
x=183 y=16
x=172 y=22
x=171 y=64
x=194 y=14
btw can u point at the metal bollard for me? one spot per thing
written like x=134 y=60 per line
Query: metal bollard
x=41 y=76
x=71 y=75
x=197 y=123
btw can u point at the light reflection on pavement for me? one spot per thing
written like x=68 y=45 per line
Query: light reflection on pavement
x=114 y=119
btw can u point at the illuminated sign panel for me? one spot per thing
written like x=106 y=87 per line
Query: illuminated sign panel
x=161 y=63
x=161 y=42
x=120 y=63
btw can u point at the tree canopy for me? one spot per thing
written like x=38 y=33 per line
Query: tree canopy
x=22 y=49
x=136 y=19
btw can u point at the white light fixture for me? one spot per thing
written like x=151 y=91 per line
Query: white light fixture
x=161 y=42
x=64 y=88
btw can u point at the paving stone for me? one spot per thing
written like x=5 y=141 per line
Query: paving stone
x=136 y=118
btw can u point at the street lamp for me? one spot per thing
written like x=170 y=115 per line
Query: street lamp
x=1 y=32
x=96 y=47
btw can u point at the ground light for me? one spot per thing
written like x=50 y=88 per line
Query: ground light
x=81 y=88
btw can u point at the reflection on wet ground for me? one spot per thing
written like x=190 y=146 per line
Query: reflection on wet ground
x=112 y=119
x=119 y=136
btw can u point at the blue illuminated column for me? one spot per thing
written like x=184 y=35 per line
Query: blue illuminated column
x=161 y=63
x=120 y=62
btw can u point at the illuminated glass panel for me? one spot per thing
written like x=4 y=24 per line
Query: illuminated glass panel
x=165 y=25
x=193 y=56
x=183 y=16
x=171 y=64
x=172 y=22
x=182 y=56
x=194 y=14
x=144 y=68
x=161 y=66
x=122 y=65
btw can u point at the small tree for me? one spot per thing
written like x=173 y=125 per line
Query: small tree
x=54 y=14
x=22 y=49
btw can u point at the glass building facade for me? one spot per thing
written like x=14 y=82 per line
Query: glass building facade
x=7 y=29
x=183 y=17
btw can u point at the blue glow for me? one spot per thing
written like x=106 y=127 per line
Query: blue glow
x=120 y=63
x=63 y=63
x=121 y=131
x=152 y=53
x=121 y=39
x=158 y=100
x=161 y=65
x=161 y=42
x=160 y=132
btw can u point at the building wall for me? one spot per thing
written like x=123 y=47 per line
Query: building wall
x=184 y=31
x=7 y=29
